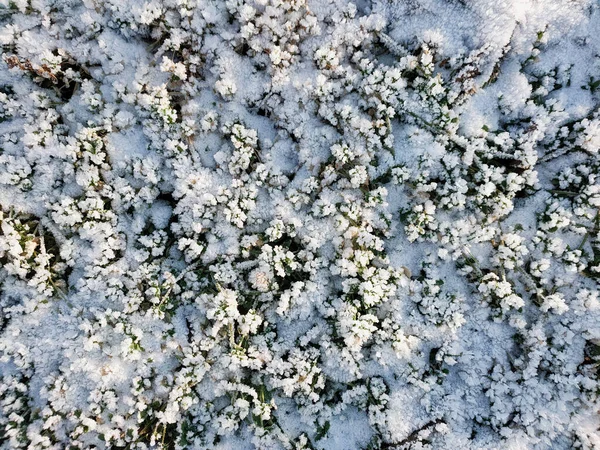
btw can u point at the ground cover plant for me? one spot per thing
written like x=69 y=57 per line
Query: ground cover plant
x=299 y=224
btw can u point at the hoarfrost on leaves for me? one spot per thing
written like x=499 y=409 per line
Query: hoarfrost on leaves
x=299 y=224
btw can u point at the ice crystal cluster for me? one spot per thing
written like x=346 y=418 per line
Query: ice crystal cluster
x=299 y=224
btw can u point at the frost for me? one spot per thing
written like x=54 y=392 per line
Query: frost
x=300 y=224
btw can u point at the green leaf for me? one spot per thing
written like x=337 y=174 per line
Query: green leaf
x=322 y=431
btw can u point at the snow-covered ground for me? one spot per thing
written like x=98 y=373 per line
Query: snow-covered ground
x=299 y=224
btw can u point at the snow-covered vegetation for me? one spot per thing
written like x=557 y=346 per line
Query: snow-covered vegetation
x=299 y=224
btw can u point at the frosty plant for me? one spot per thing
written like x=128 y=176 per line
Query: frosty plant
x=300 y=224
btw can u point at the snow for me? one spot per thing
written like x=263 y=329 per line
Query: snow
x=268 y=224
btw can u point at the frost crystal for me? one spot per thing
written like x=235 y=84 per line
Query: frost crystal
x=299 y=224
